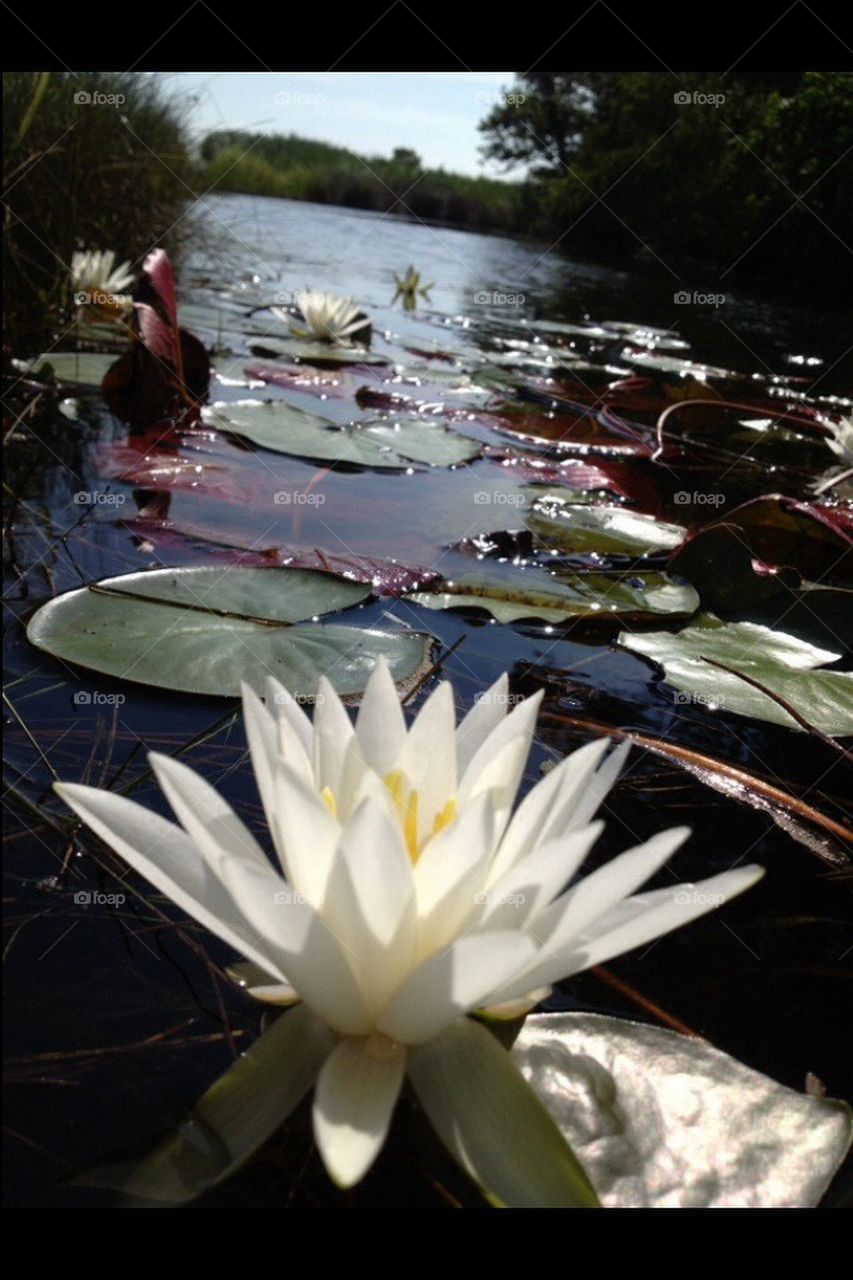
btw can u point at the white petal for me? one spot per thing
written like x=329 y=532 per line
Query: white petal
x=451 y=872
x=203 y=813
x=602 y=889
x=642 y=919
x=428 y=757
x=281 y=703
x=501 y=777
x=306 y=833
x=352 y=772
x=546 y=811
x=353 y=327
x=528 y=887
x=333 y=733
x=685 y=902
x=263 y=748
x=484 y=716
x=166 y=856
x=519 y=724
x=370 y=902
x=371 y=787
x=601 y=783
x=453 y=981
x=317 y=961
x=380 y=724
x=260 y=985
x=375 y=854
x=512 y=1009
x=356 y=1092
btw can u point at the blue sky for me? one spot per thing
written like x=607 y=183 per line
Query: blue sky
x=435 y=112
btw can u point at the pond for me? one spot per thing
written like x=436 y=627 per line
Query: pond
x=119 y=1014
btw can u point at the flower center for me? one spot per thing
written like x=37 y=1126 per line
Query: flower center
x=406 y=803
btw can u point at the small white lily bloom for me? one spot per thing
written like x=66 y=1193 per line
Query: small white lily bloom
x=841 y=440
x=97 y=282
x=409 y=895
x=330 y=318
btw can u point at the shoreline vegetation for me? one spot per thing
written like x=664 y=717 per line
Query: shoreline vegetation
x=738 y=184
x=89 y=160
x=294 y=168
x=621 y=168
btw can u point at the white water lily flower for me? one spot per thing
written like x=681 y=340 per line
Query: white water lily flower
x=97 y=282
x=841 y=440
x=330 y=318
x=409 y=895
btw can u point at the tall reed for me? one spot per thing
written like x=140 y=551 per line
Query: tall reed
x=96 y=160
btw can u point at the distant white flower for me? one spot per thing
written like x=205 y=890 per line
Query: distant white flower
x=409 y=896
x=841 y=441
x=97 y=282
x=330 y=318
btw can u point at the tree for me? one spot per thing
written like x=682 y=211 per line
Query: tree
x=695 y=168
x=541 y=121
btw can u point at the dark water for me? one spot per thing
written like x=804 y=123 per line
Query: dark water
x=118 y=1015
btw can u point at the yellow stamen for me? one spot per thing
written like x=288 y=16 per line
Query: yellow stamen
x=406 y=804
x=394 y=783
x=330 y=801
x=444 y=819
x=410 y=826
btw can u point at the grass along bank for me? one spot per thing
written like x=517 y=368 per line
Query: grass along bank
x=97 y=160
x=302 y=169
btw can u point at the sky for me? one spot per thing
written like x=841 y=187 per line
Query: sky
x=434 y=112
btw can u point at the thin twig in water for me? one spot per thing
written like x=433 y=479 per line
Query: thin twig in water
x=433 y=669
x=786 y=706
x=99 y=589
x=643 y=1002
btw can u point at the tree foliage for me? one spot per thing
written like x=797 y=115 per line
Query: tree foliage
x=746 y=169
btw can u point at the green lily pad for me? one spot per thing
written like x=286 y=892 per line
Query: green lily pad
x=319 y=353
x=72 y=368
x=590 y=596
x=111 y=334
x=559 y=519
x=660 y=363
x=203 y=630
x=230 y=371
x=741 y=439
x=571 y=330
x=780 y=662
x=386 y=444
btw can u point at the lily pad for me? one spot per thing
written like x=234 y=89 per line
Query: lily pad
x=780 y=662
x=731 y=435
x=646 y=336
x=659 y=363
x=776 y=531
x=571 y=330
x=591 y=596
x=559 y=519
x=662 y=1120
x=72 y=368
x=394 y=445
x=204 y=630
x=320 y=353
x=109 y=333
